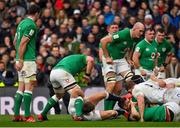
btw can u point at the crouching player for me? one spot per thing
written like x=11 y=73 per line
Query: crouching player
x=88 y=113
x=62 y=80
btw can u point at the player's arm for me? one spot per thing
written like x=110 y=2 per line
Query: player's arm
x=15 y=39
x=100 y=54
x=134 y=113
x=135 y=58
x=89 y=67
x=22 y=47
x=139 y=95
x=160 y=82
x=104 y=42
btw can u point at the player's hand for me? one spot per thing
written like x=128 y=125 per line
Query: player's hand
x=19 y=65
x=156 y=70
x=143 y=73
x=77 y=118
x=109 y=60
x=86 y=79
x=131 y=63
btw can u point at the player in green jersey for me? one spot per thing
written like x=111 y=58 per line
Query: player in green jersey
x=144 y=56
x=157 y=113
x=88 y=111
x=165 y=51
x=25 y=43
x=62 y=80
x=108 y=105
x=115 y=46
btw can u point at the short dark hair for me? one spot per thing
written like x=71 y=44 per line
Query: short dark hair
x=161 y=30
x=33 y=9
x=149 y=29
x=87 y=107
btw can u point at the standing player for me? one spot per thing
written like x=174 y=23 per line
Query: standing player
x=62 y=80
x=115 y=47
x=144 y=56
x=108 y=105
x=165 y=51
x=24 y=42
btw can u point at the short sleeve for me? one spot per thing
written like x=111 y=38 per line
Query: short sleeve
x=29 y=31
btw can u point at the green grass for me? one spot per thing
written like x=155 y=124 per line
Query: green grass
x=66 y=121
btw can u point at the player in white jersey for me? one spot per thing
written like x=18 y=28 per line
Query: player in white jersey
x=89 y=113
x=153 y=93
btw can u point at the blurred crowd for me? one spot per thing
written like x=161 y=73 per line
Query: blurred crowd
x=76 y=26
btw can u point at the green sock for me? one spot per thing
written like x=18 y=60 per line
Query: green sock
x=18 y=100
x=109 y=104
x=27 y=102
x=51 y=102
x=78 y=105
x=106 y=104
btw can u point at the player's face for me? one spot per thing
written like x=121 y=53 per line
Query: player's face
x=149 y=36
x=139 y=32
x=160 y=36
x=113 y=28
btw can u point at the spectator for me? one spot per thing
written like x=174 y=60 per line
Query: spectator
x=141 y=14
x=148 y=21
x=83 y=8
x=114 y=7
x=166 y=24
x=133 y=9
x=173 y=69
x=2 y=69
x=175 y=18
x=101 y=24
x=108 y=15
x=156 y=14
x=46 y=16
x=77 y=17
x=80 y=36
x=85 y=26
x=92 y=17
x=124 y=14
x=117 y=20
x=61 y=17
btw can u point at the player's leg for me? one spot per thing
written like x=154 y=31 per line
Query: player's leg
x=18 y=101
x=30 y=82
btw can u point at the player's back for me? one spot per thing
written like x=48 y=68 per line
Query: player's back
x=151 y=91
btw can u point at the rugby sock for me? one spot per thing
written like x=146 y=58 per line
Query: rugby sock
x=112 y=103
x=106 y=104
x=18 y=100
x=109 y=104
x=51 y=102
x=27 y=102
x=78 y=106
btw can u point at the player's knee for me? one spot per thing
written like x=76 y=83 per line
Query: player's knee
x=128 y=76
x=111 y=77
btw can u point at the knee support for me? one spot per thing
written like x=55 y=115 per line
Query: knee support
x=110 y=77
x=128 y=76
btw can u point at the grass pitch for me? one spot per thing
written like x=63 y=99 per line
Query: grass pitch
x=66 y=121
